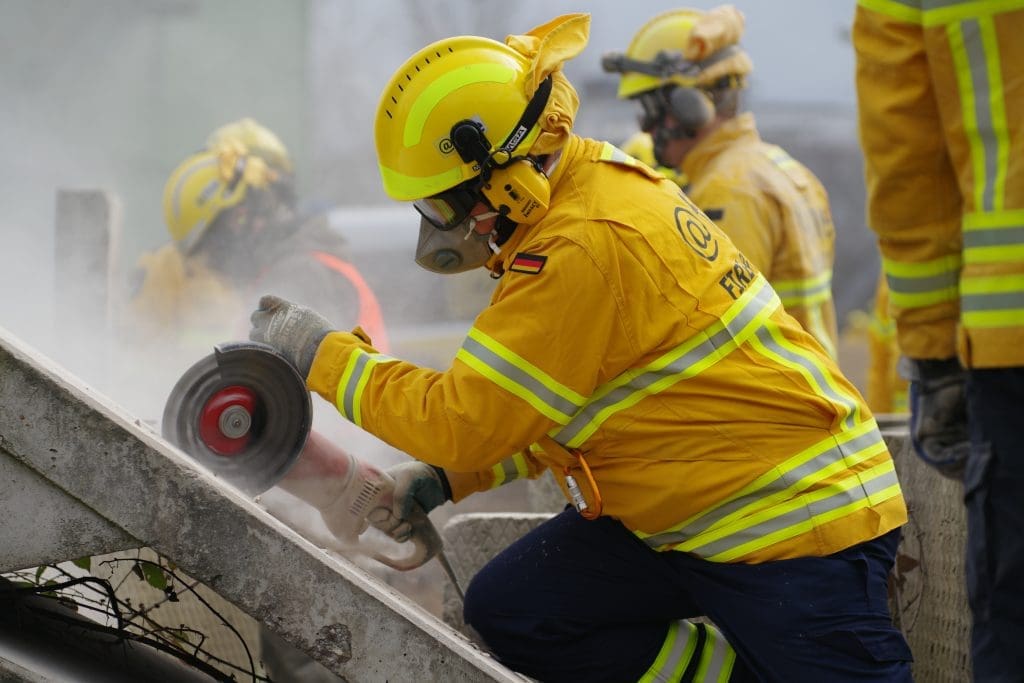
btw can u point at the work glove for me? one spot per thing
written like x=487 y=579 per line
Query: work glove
x=938 y=413
x=294 y=330
x=419 y=488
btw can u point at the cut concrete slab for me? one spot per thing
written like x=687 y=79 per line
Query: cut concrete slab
x=126 y=486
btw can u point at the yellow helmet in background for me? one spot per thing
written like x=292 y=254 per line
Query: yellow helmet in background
x=205 y=185
x=461 y=79
x=685 y=47
x=255 y=138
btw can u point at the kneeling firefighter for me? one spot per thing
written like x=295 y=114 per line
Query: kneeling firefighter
x=717 y=462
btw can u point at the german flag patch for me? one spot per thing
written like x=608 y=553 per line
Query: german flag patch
x=528 y=263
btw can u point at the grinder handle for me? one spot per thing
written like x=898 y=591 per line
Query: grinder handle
x=425 y=539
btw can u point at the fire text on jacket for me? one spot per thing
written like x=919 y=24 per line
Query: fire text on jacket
x=736 y=280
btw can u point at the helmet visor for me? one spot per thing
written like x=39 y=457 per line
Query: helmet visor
x=447 y=209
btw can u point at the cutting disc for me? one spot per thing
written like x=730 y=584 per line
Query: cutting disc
x=243 y=412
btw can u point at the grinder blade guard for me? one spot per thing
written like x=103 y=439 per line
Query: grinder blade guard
x=243 y=412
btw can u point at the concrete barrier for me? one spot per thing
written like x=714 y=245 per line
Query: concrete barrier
x=106 y=482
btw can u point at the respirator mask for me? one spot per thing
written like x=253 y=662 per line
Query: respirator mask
x=448 y=241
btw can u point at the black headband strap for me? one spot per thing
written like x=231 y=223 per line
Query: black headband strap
x=470 y=141
x=529 y=119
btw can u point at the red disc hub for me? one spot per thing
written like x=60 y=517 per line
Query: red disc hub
x=225 y=422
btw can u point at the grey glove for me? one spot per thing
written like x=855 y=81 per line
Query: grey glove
x=419 y=488
x=938 y=413
x=294 y=330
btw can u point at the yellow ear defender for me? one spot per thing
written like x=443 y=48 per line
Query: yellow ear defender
x=514 y=185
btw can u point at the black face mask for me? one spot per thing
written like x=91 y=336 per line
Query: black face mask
x=691 y=108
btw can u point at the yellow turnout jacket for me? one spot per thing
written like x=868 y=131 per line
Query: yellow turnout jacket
x=941 y=98
x=629 y=331
x=776 y=212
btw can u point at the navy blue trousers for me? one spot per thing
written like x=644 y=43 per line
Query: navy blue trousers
x=586 y=601
x=994 y=495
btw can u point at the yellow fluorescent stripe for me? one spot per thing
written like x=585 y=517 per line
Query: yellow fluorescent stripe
x=512 y=387
x=998 y=108
x=896 y=10
x=499 y=475
x=994 y=254
x=805 y=525
x=701 y=674
x=357 y=398
x=939 y=266
x=993 y=284
x=684 y=660
x=727 y=665
x=994 y=219
x=922 y=299
x=789 y=465
x=651 y=389
x=941 y=15
x=803 y=283
x=445 y=85
x=666 y=647
x=346 y=377
x=962 y=67
x=507 y=354
x=1013 y=317
x=791 y=498
x=707 y=361
x=776 y=334
x=797 y=529
x=521 y=468
x=969 y=10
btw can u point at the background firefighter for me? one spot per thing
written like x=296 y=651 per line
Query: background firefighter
x=686 y=70
x=236 y=230
x=940 y=90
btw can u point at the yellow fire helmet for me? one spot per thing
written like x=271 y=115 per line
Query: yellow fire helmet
x=461 y=79
x=256 y=138
x=206 y=184
x=685 y=47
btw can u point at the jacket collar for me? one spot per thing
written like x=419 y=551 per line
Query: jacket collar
x=498 y=263
x=739 y=128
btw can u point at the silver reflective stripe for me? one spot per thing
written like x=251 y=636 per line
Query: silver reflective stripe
x=717 y=659
x=982 y=96
x=793 y=476
x=509 y=469
x=714 y=661
x=685 y=361
x=805 y=511
x=353 y=379
x=502 y=366
x=805 y=292
x=993 y=237
x=676 y=652
x=812 y=370
x=992 y=302
x=946 y=280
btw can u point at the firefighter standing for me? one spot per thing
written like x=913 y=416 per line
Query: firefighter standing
x=686 y=70
x=940 y=92
x=717 y=460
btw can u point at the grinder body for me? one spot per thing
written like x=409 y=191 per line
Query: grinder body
x=245 y=414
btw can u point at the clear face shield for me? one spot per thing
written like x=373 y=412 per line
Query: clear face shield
x=448 y=241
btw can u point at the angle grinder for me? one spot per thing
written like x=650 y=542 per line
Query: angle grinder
x=244 y=413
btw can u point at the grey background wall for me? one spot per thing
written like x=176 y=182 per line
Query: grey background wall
x=114 y=93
